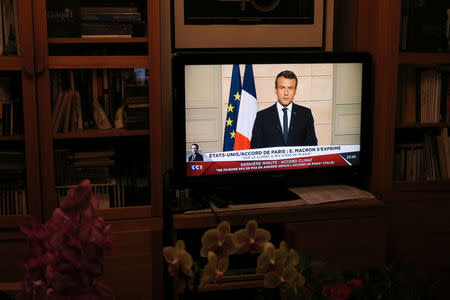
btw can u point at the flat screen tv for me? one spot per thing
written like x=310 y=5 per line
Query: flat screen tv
x=233 y=139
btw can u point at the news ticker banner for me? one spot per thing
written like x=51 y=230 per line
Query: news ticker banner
x=271 y=159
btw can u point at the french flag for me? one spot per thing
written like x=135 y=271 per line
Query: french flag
x=247 y=111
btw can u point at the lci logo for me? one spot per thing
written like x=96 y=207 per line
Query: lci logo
x=196 y=167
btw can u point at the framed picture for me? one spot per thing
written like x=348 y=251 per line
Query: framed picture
x=248 y=23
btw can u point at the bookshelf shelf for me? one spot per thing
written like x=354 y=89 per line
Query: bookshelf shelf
x=423 y=125
x=121 y=213
x=12 y=138
x=97 y=40
x=101 y=133
x=416 y=58
x=93 y=62
x=11 y=221
x=421 y=185
x=13 y=63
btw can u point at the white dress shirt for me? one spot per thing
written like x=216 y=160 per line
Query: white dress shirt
x=281 y=114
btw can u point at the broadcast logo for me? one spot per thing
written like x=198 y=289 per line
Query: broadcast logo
x=197 y=167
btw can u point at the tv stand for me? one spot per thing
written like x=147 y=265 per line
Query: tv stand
x=242 y=194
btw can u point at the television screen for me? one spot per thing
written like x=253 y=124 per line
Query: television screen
x=274 y=112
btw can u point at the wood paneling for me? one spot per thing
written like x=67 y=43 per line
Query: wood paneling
x=12 y=253
x=420 y=235
x=129 y=270
x=352 y=243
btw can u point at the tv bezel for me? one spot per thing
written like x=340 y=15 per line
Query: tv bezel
x=352 y=175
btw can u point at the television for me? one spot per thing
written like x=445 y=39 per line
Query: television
x=229 y=142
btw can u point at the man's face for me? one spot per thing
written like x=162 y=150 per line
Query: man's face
x=285 y=90
x=194 y=149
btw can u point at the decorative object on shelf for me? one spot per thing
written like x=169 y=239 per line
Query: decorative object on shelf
x=118 y=117
x=65 y=255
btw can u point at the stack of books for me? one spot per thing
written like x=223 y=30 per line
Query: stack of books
x=109 y=21
x=136 y=105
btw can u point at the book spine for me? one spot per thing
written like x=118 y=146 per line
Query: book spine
x=111 y=17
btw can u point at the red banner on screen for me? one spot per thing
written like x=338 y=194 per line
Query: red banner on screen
x=229 y=167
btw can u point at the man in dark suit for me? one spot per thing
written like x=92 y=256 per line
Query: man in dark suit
x=195 y=156
x=284 y=123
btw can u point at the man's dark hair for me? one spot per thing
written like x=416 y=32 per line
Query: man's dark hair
x=195 y=145
x=286 y=74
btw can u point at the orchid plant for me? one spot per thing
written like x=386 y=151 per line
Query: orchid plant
x=65 y=255
x=287 y=270
x=281 y=267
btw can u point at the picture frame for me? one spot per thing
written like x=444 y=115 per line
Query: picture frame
x=254 y=35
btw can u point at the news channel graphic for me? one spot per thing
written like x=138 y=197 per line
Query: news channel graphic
x=271 y=159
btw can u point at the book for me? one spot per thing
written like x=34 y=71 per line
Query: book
x=59 y=122
x=68 y=112
x=111 y=17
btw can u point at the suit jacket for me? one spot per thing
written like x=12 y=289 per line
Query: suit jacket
x=199 y=157
x=267 y=128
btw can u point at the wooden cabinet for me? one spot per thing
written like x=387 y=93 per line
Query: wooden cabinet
x=417 y=231
x=133 y=204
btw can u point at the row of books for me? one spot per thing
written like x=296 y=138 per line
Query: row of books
x=13 y=202
x=424 y=95
x=9 y=28
x=118 y=192
x=72 y=167
x=429 y=160
x=12 y=168
x=98 y=99
x=425 y=25
x=119 y=20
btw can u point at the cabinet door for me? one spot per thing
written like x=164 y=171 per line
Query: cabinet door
x=19 y=148
x=89 y=72
x=19 y=153
x=99 y=98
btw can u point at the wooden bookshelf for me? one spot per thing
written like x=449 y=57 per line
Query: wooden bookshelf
x=19 y=137
x=11 y=221
x=136 y=229
x=423 y=59
x=97 y=62
x=11 y=63
x=424 y=125
x=422 y=185
x=102 y=40
x=125 y=213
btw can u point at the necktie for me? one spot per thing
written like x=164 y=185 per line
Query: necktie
x=285 y=125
